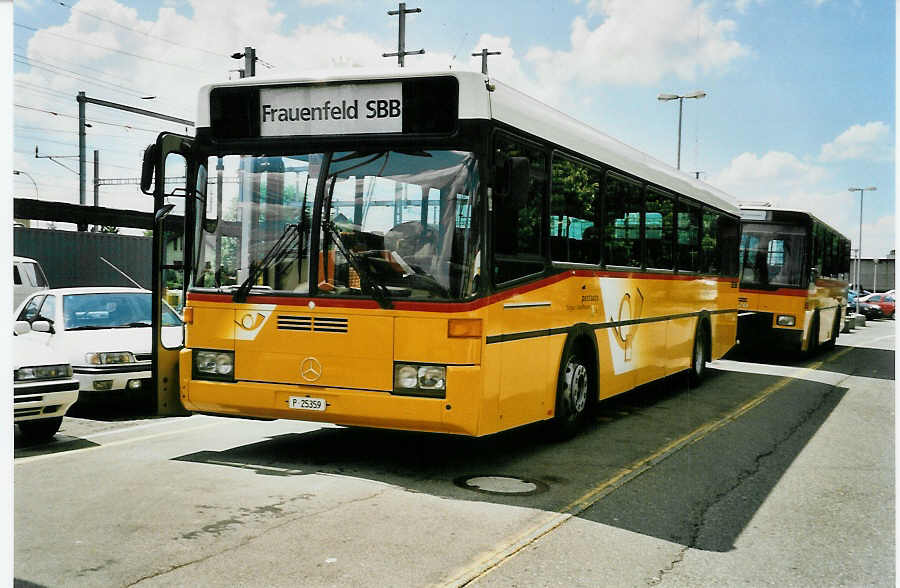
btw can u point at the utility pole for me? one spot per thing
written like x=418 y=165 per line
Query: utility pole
x=82 y=124
x=401 y=37
x=96 y=180
x=82 y=177
x=484 y=55
x=250 y=59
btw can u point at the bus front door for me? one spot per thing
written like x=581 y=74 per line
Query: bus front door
x=173 y=196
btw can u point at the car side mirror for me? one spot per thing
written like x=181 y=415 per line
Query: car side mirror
x=21 y=327
x=42 y=327
x=813 y=274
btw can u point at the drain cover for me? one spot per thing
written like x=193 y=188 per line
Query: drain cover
x=503 y=485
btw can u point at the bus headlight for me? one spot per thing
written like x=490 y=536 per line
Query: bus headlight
x=786 y=320
x=420 y=380
x=213 y=365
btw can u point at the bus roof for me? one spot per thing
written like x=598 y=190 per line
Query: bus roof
x=481 y=97
x=791 y=210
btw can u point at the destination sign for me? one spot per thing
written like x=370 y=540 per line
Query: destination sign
x=336 y=109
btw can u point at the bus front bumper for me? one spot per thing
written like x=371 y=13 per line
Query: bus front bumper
x=456 y=413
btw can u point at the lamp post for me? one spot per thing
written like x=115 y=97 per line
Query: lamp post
x=680 y=98
x=17 y=172
x=859 y=245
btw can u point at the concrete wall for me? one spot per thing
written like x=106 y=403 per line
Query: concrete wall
x=867 y=277
x=72 y=258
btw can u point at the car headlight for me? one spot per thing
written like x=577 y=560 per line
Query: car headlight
x=420 y=380
x=786 y=320
x=43 y=372
x=213 y=365
x=109 y=357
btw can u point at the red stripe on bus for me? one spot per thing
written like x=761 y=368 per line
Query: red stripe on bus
x=450 y=306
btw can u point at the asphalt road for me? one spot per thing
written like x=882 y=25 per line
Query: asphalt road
x=776 y=471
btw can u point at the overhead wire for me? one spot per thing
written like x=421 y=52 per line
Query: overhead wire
x=135 y=55
x=75 y=75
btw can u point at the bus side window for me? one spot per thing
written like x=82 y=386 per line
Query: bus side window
x=658 y=230
x=709 y=243
x=573 y=212
x=688 y=237
x=622 y=221
x=729 y=242
x=519 y=236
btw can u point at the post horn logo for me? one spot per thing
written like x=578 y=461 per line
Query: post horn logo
x=625 y=333
x=310 y=369
x=250 y=323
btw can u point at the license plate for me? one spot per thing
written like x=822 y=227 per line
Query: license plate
x=304 y=403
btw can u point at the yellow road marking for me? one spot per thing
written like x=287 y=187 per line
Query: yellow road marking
x=623 y=476
x=34 y=458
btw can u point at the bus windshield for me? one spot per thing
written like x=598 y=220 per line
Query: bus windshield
x=392 y=225
x=773 y=255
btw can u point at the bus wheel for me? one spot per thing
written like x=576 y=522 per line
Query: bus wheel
x=700 y=356
x=835 y=330
x=813 y=345
x=572 y=392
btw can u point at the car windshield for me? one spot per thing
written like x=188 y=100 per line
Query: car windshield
x=112 y=310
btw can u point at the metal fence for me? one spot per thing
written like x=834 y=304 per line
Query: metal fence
x=71 y=258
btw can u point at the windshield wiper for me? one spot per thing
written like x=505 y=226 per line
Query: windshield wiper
x=368 y=282
x=286 y=243
x=87 y=328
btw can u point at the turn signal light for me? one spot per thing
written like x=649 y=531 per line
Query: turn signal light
x=187 y=315
x=464 y=328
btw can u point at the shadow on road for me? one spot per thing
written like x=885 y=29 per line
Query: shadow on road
x=687 y=498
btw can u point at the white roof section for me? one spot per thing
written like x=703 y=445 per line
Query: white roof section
x=506 y=104
x=795 y=210
x=96 y=290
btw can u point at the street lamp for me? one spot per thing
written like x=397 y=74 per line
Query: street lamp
x=680 y=98
x=17 y=172
x=859 y=246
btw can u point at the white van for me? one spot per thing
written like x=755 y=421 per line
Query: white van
x=28 y=278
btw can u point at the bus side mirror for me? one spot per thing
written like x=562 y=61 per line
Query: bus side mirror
x=162 y=213
x=518 y=179
x=151 y=153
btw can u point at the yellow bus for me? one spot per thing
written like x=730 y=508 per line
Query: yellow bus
x=794 y=271
x=429 y=252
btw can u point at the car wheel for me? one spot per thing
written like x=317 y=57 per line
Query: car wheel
x=699 y=356
x=572 y=393
x=40 y=429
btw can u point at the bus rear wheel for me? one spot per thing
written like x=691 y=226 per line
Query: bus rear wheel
x=700 y=356
x=572 y=394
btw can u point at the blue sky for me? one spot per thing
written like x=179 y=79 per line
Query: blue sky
x=800 y=106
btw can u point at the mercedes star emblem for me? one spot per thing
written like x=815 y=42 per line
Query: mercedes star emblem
x=311 y=369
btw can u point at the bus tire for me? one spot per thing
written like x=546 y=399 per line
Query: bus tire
x=700 y=355
x=812 y=346
x=573 y=392
x=835 y=331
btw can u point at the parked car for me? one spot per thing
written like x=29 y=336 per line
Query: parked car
x=868 y=310
x=43 y=386
x=883 y=301
x=104 y=332
x=28 y=278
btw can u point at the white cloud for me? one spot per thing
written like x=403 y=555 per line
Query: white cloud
x=639 y=42
x=755 y=178
x=786 y=181
x=869 y=141
x=743 y=5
